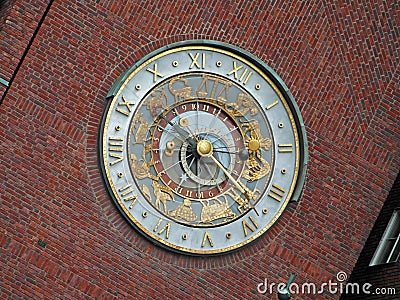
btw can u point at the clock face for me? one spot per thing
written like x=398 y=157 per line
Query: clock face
x=202 y=147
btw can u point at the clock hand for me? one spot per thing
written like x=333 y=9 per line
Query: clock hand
x=205 y=149
x=243 y=153
x=176 y=126
x=187 y=127
x=180 y=130
x=222 y=151
x=246 y=192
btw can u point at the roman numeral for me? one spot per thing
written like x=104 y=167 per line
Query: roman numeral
x=244 y=76
x=272 y=104
x=285 y=148
x=206 y=107
x=155 y=73
x=249 y=226
x=206 y=238
x=126 y=107
x=196 y=63
x=276 y=192
x=115 y=149
x=166 y=228
x=128 y=191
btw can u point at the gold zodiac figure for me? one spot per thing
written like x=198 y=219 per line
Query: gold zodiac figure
x=256 y=168
x=157 y=102
x=203 y=90
x=180 y=94
x=246 y=102
x=184 y=212
x=146 y=192
x=141 y=170
x=216 y=211
x=256 y=141
x=162 y=195
x=143 y=127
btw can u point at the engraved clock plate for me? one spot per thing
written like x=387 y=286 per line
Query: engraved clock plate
x=202 y=147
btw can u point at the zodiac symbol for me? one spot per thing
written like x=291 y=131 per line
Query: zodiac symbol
x=216 y=211
x=255 y=141
x=184 y=212
x=146 y=192
x=142 y=129
x=202 y=91
x=257 y=166
x=162 y=195
x=245 y=101
x=141 y=171
x=256 y=169
x=157 y=102
x=182 y=93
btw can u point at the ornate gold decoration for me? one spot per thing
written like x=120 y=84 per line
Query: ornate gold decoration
x=244 y=103
x=184 y=212
x=182 y=93
x=142 y=130
x=257 y=166
x=157 y=101
x=216 y=211
x=162 y=195
x=194 y=158
x=253 y=127
x=203 y=90
x=146 y=192
x=141 y=169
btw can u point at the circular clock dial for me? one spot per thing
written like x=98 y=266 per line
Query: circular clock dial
x=201 y=150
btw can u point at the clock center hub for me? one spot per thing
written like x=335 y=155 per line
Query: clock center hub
x=204 y=148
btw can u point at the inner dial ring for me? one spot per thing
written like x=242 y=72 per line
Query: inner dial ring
x=185 y=170
x=197 y=163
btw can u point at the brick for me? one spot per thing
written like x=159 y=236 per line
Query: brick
x=340 y=62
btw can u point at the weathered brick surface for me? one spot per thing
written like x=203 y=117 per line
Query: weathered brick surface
x=339 y=60
x=18 y=22
x=380 y=281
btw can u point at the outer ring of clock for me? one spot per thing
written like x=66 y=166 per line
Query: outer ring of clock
x=253 y=76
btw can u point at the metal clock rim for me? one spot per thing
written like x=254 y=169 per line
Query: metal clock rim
x=271 y=75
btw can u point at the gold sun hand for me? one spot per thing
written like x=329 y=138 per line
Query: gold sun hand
x=205 y=149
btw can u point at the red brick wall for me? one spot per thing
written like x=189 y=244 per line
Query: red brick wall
x=380 y=281
x=341 y=63
x=18 y=22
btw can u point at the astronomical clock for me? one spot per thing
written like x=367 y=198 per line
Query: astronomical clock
x=202 y=147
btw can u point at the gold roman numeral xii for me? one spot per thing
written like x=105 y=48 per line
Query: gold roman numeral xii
x=240 y=73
